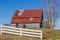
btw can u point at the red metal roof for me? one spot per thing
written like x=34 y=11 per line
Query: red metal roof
x=25 y=16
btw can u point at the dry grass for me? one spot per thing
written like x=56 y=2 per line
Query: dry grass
x=47 y=35
x=15 y=37
x=51 y=34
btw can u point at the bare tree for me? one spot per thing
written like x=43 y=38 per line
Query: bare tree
x=51 y=12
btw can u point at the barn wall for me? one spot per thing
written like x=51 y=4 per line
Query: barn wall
x=33 y=25
x=13 y=25
x=30 y=25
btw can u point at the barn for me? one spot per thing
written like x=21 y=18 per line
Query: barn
x=27 y=18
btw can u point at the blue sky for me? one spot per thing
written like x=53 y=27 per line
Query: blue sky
x=8 y=7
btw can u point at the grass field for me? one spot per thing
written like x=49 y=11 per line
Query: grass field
x=47 y=35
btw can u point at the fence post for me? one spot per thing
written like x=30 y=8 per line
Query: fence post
x=21 y=32
x=1 y=30
x=41 y=35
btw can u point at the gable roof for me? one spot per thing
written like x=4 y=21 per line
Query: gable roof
x=29 y=13
x=24 y=16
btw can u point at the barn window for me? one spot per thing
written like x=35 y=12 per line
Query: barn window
x=17 y=25
x=24 y=26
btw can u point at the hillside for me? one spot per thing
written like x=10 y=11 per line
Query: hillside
x=47 y=35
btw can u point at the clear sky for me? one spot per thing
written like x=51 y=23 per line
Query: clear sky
x=8 y=7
